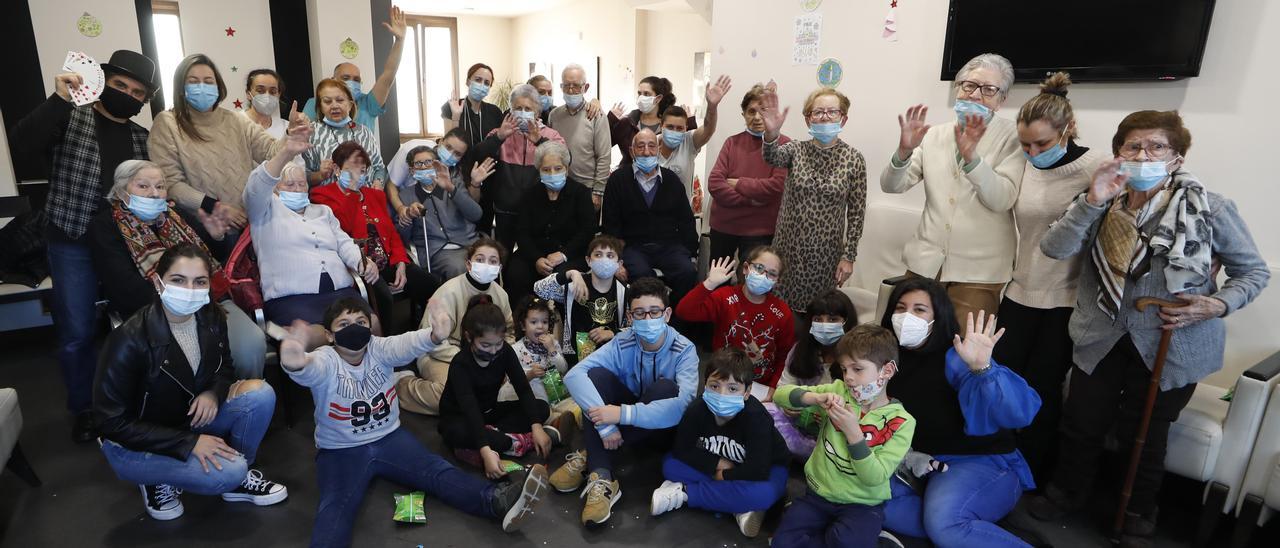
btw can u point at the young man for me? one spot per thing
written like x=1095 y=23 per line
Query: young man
x=630 y=390
x=727 y=457
x=358 y=426
x=593 y=301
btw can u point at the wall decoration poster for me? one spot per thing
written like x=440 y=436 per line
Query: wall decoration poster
x=89 y=25
x=349 y=48
x=808 y=34
x=810 y=5
x=830 y=72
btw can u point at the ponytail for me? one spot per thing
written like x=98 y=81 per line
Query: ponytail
x=661 y=86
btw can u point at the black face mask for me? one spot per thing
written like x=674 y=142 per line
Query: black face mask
x=353 y=337
x=119 y=104
x=483 y=356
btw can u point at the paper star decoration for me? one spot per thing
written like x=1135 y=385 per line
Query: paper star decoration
x=238 y=104
x=893 y=4
x=234 y=68
x=230 y=31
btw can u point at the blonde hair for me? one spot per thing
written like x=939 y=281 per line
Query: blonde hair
x=823 y=92
x=1051 y=105
x=293 y=172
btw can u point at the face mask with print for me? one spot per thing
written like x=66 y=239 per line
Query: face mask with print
x=672 y=138
x=826 y=132
x=1144 y=176
x=295 y=201
x=146 y=208
x=646 y=103
x=554 y=181
x=826 y=333
x=484 y=272
x=545 y=100
x=759 y=284
x=604 y=268
x=353 y=337
x=201 y=96
x=447 y=158
x=265 y=103
x=646 y=163
x=911 y=329
x=573 y=100
x=183 y=301
x=721 y=405
x=649 y=329
x=354 y=86
x=477 y=91
x=865 y=394
x=524 y=119
x=965 y=108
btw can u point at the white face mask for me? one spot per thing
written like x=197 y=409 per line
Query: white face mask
x=645 y=103
x=484 y=272
x=183 y=301
x=911 y=329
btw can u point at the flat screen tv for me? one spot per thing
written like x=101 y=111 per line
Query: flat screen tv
x=1094 y=40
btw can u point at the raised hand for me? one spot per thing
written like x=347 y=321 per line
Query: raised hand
x=534 y=133
x=913 y=130
x=298 y=122
x=717 y=91
x=442 y=175
x=1108 y=182
x=618 y=110
x=482 y=171
x=216 y=226
x=293 y=347
x=397 y=24
x=773 y=116
x=65 y=82
x=508 y=127
x=441 y=321
x=719 y=272
x=455 y=107
x=968 y=135
x=979 y=339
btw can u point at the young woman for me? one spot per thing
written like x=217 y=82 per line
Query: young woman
x=471 y=113
x=748 y=316
x=169 y=412
x=653 y=96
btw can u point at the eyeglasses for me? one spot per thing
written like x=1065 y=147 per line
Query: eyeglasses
x=422 y=164
x=826 y=114
x=1154 y=149
x=652 y=313
x=760 y=269
x=969 y=86
x=572 y=88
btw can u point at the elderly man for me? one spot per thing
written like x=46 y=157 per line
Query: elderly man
x=83 y=144
x=587 y=136
x=370 y=104
x=645 y=205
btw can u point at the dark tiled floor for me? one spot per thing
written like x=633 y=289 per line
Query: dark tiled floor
x=82 y=503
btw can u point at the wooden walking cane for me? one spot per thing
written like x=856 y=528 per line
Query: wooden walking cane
x=1153 y=389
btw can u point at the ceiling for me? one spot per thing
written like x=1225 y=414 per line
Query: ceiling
x=489 y=8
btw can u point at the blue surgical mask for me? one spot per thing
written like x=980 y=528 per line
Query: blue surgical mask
x=826 y=333
x=523 y=118
x=604 y=268
x=145 y=208
x=964 y=108
x=350 y=183
x=477 y=91
x=826 y=132
x=339 y=124
x=183 y=301
x=354 y=86
x=425 y=177
x=1144 y=176
x=759 y=134
x=201 y=96
x=759 y=284
x=673 y=139
x=1047 y=157
x=646 y=164
x=295 y=200
x=546 y=102
x=721 y=405
x=649 y=330
x=554 y=181
x=573 y=100
x=447 y=158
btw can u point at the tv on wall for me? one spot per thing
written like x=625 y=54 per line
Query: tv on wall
x=1094 y=40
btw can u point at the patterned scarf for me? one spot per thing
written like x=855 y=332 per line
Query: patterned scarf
x=147 y=242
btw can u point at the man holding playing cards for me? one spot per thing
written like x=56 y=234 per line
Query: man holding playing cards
x=83 y=145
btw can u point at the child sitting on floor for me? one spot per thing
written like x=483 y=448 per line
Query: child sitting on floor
x=592 y=299
x=541 y=357
x=862 y=441
x=727 y=455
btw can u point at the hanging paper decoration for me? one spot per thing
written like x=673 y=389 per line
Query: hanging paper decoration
x=830 y=72
x=230 y=31
x=891 y=23
x=810 y=5
x=89 y=25
x=238 y=104
x=349 y=48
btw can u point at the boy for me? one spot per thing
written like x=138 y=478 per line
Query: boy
x=848 y=474
x=358 y=426
x=593 y=311
x=728 y=457
x=634 y=388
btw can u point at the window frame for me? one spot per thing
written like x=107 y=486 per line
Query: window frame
x=417 y=23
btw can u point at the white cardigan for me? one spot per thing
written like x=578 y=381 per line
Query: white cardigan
x=966 y=232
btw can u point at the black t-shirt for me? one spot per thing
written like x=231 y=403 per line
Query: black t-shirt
x=477 y=125
x=600 y=310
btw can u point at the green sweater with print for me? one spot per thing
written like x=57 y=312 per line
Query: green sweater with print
x=854 y=469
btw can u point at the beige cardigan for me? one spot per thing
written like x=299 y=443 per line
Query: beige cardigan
x=454 y=294
x=966 y=232
x=217 y=167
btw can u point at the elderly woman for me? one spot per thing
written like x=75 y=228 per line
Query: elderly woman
x=820 y=222
x=1150 y=229
x=512 y=146
x=305 y=259
x=746 y=191
x=557 y=223
x=334 y=125
x=971 y=169
x=442 y=206
x=129 y=237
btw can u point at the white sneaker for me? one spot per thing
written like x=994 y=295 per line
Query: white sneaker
x=667 y=497
x=887 y=540
x=162 y=501
x=749 y=522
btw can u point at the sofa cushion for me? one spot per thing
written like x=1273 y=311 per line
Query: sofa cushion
x=1195 y=439
x=10 y=423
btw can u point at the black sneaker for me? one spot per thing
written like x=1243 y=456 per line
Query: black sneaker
x=162 y=501
x=257 y=490
x=516 y=499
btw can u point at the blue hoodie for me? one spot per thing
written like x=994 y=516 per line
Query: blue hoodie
x=676 y=360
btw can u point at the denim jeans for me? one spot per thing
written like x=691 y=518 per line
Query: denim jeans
x=344 y=476
x=959 y=506
x=732 y=496
x=812 y=521
x=75 y=314
x=241 y=422
x=671 y=258
x=613 y=392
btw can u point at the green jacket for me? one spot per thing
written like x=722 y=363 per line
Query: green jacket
x=853 y=471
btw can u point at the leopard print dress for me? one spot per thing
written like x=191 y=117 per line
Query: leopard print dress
x=820 y=222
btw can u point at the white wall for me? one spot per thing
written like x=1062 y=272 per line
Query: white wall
x=203 y=31
x=332 y=21
x=578 y=32
x=485 y=40
x=669 y=42
x=1229 y=108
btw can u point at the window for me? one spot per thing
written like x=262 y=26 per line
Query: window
x=168 y=33
x=428 y=75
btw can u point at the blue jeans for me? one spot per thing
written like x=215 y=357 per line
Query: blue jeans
x=814 y=521
x=732 y=496
x=75 y=314
x=959 y=506
x=241 y=422
x=613 y=392
x=344 y=476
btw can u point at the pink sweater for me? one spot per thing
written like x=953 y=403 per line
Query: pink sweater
x=751 y=207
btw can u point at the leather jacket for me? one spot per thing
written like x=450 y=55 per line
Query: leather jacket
x=144 y=384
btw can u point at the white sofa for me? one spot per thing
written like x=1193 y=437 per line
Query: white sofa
x=11 y=455
x=1259 y=495
x=885 y=232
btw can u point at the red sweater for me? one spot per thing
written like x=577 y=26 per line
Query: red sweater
x=766 y=331
x=350 y=208
x=751 y=207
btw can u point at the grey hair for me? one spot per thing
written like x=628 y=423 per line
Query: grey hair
x=526 y=91
x=993 y=61
x=125 y=172
x=550 y=148
x=572 y=66
x=292 y=171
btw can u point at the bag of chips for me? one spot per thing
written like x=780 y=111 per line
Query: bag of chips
x=409 y=508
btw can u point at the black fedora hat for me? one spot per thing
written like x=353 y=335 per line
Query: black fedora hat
x=134 y=65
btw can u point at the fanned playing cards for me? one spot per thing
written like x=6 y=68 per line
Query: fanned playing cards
x=93 y=80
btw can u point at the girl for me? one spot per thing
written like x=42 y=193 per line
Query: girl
x=476 y=425
x=809 y=363
x=747 y=316
x=539 y=352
